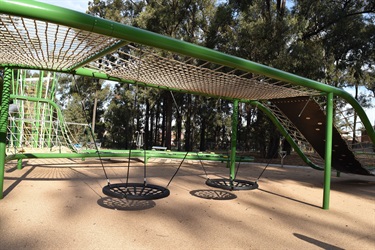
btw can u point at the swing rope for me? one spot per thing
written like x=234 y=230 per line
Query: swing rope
x=177 y=169
x=204 y=169
x=140 y=141
x=90 y=128
x=131 y=143
x=136 y=191
x=144 y=166
x=238 y=168
x=128 y=168
x=264 y=169
x=175 y=102
x=132 y=137
x=236 y=184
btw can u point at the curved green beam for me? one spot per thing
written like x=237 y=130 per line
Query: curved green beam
x=50 y=102
x=285 y=133
x=46 y=12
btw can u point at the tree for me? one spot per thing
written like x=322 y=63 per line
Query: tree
x=328 y=41
x=73 y=92
x=258 y=31
x=179 y=19
x=117 y=10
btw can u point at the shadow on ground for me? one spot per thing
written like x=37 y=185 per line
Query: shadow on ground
x=124 y=204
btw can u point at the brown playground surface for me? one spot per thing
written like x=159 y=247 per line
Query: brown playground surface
x=59 y=204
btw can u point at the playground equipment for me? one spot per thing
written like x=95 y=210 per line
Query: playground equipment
x=36 y=122
x=41 y=36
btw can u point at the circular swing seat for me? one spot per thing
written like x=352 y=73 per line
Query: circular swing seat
x=235 y=184
x=135 y=191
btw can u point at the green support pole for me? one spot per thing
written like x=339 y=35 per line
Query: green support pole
x=19 y=164
x=234 y=140
x=4 y=100
x=328 y=152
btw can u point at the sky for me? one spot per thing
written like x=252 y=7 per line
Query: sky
x=81 y=6
x=78 y=5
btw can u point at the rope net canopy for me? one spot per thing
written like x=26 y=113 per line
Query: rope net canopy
x=42 y=45
x=40 y=36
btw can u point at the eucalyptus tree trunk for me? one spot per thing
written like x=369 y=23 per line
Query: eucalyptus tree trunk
x=157 y=125
x=202 y=144
x=179 y=131
x=168 y=130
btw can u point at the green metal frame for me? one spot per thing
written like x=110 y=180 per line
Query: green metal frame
x=133 y=153
x=81 y=21
x=328 y=151
x=52 y=104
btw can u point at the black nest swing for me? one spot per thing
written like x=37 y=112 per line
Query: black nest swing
x=233 y=184
x=229 y=184
x=130 y=191
x=139 y=191
x=136 y=191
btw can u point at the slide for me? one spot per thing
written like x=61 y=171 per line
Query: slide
x=308 y=117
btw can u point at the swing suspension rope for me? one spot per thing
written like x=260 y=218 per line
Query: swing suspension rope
x=229 y=183
x=90 y=128
x=131 y=191
x=139 y=139
x=237 y=184
x=232 y=184
x=204 y=169
x=145 y=191
x=177 y=169
x=136 y=191
x=132 y=139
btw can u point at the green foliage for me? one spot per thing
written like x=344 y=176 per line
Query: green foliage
x=116 y=10
x=76 y=96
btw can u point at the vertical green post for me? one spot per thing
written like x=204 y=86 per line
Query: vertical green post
x=328 y=152
x=19 y=164
x=4 y=100
x=234 y=140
